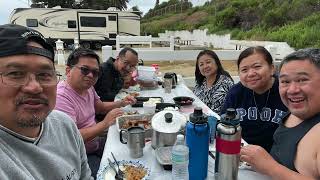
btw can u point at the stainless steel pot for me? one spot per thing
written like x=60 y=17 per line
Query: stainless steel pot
x=166 y=125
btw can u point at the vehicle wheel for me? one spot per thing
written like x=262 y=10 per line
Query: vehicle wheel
x=97 y=45
x=85 y=45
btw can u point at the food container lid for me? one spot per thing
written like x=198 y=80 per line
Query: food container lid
x=168 y=121
x=163 y=155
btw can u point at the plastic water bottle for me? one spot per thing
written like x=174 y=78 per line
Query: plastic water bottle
x=180 y=159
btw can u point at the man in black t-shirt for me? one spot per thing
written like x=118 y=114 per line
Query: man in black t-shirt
x=295 y=153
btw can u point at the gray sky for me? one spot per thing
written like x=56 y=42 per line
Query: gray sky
x=6 y=6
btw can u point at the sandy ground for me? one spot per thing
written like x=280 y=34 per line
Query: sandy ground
x=187 y=68
x=184 y=68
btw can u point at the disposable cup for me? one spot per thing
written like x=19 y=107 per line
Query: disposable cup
x=149 y=108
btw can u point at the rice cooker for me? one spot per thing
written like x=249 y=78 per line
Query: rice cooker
x=166 y=126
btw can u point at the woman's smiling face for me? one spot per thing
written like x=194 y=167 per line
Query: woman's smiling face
x=255 y=73
x=207 y=66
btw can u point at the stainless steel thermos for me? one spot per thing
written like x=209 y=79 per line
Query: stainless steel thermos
x=228 y=143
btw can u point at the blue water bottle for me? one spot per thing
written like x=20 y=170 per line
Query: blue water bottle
x=197 y=138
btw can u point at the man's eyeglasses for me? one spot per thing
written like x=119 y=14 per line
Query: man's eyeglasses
x=128 y=66
x=85 y=71
x=17 y=78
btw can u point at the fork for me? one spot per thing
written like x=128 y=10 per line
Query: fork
x=120 y=172
x=117 y=177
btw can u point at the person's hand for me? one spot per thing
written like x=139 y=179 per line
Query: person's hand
x=110 y=118
x=128 y=100
x=258 y=158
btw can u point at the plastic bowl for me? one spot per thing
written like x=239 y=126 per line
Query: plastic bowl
x=163 y=155
x=183 y=100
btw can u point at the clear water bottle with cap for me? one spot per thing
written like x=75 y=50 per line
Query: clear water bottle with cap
x=228 y=143
x=180 y=159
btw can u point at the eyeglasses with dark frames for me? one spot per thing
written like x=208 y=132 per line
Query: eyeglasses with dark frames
x=85 y=71
x=127 y=65
x=17 y=78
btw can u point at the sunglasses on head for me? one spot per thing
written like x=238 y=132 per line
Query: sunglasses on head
x=85 y=71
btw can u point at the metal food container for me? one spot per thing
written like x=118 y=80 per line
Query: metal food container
x=122 y=122
x=166 y=125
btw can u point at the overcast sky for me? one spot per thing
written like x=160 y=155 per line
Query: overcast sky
x=6 y=6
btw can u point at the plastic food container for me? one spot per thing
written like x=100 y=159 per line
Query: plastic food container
x=163 y=155
x=146 y=73
x=149 y=108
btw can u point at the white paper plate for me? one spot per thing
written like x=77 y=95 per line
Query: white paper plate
x=106 y=172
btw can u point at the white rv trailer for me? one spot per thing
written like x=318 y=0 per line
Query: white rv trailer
x=93 y=28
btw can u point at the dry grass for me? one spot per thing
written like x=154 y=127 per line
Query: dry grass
x=196 y=17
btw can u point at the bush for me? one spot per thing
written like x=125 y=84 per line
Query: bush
x=293 y=21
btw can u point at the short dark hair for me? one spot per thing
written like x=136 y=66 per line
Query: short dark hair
x=76 y=54
x=220 y=71
x=310 y=54
x=252 y=50
x=123 y=52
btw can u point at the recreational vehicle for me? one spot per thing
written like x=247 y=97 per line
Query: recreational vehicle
x=93 y=28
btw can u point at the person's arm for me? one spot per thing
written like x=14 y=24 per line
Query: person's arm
x=262 y=162
x=65 y=105
x=97 y=129
x=105 y=107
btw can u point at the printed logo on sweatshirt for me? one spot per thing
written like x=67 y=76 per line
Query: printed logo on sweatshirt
x=265 y=114
x=70 y=175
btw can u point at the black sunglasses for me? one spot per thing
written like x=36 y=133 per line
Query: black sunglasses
x=85 y=71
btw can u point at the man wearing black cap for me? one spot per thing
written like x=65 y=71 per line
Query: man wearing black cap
x=36 y=142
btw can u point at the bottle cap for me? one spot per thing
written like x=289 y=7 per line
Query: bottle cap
x=180 y=137
x=197 y=117
x=231 y=113
x=230 y=117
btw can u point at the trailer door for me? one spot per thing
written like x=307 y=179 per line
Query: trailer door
x=97 y=27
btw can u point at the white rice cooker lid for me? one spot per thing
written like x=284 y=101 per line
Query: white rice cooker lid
x=159 y=123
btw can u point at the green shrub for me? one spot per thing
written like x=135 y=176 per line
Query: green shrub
x=293 y=21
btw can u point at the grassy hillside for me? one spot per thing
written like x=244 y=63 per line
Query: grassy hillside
x=294 y=21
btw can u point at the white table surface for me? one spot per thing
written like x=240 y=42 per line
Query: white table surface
x=121 y=151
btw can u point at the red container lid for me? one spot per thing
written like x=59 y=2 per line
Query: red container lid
x=156 y=66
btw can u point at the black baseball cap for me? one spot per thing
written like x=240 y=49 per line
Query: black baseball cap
x=14 y=39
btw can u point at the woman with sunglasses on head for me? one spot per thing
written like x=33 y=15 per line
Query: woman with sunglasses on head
x=256 y=97
x=212 y=81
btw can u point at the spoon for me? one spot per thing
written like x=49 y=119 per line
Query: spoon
x=115 y=170
x=120 y=172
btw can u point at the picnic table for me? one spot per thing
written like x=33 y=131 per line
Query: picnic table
x=121 y=151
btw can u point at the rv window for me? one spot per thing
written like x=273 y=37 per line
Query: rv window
x=87 y=21
x=72 y=24
x=32 y=22
x=112 y=18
